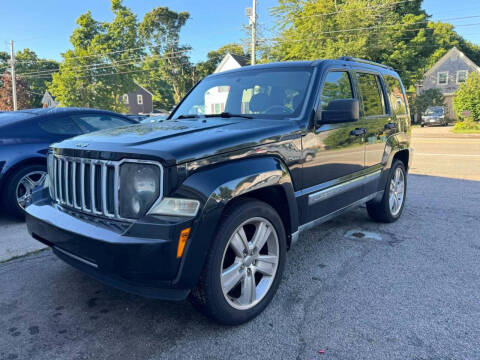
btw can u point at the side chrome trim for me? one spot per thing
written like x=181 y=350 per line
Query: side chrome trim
x=341 y=188
x=76 y=257
x=332 y=215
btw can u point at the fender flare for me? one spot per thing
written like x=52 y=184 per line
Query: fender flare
x=216 y=186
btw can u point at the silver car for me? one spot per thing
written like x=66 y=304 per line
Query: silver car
x=434 y=115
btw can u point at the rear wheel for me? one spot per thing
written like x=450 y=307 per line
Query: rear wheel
x=19 y=188
x=245 y=265
x=390 y=208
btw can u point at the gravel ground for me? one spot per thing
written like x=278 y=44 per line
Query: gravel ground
x=408 y=290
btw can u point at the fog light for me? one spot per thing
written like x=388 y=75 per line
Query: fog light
x=176 y=207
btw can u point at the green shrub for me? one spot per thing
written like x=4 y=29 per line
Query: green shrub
x=467 y=126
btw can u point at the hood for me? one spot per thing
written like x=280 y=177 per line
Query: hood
x=178 y=141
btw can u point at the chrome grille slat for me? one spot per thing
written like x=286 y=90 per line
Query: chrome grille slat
x=91 y=185
x=104 y=189
x=116 y=188
x=55 y=184
x=82 y=186
x=65 y=179
x=74 y=184
x=60 y=182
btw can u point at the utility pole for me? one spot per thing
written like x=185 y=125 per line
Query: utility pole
x=252 y=14
x=14 y=78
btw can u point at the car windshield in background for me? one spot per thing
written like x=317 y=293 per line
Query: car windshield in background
x=261 y=93
x=434 y=111
x=13 y=116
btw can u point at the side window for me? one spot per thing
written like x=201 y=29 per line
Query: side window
x=337 y=86
x=395 y=95
x=139 y=99
x=60 y=126
x=93 y=122
x=371 y=93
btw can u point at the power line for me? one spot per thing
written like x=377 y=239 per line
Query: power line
x=137 y=62
x=352 y=10
x=100 y=54
x=369 y=28
x=99 y=66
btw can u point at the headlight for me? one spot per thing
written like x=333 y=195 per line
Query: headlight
x=176 y=207
x=139 y=188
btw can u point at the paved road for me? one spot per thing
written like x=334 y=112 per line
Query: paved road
x=410 y=291
x=439 y=152
x=413 y=294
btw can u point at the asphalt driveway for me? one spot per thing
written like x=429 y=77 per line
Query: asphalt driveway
x=352 y=288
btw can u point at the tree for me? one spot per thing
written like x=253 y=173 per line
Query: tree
x=427 y=98
x=36 y=72
x=168 y=60
x=467 y=97
x=385 y=31
x=214 y=58
x=6 y=97
x=101 y=66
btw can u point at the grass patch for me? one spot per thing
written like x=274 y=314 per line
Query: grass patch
x=466 y=131
x=467 y=127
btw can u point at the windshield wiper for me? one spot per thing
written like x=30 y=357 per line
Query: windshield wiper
x=186 y=117
x=229 y=115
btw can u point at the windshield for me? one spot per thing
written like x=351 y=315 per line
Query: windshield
x=260 y=93
x=434 y=111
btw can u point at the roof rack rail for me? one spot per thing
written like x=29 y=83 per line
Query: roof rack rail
x=350 y=58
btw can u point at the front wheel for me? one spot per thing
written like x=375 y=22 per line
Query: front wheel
x=390 y=208
x=245 y=264
x=19 y=188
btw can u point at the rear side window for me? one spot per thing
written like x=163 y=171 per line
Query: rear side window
x=371 y=93
x=337 y=86
x=395 y=95
x=60 y=126
x=94 y=122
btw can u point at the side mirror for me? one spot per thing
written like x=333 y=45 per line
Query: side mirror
x=339 y=111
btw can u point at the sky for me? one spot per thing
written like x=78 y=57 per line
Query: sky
x=45 y=26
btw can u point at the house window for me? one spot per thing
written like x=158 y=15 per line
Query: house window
x=461 y=76
x=139 y=99
x=442 y=78
x=125 y=99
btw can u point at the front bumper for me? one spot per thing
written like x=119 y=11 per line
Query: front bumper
x=434 y=121
x=139 y=258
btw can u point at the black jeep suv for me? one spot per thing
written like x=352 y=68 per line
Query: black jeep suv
x=206 y=203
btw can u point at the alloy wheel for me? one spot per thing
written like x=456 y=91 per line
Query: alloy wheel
x=397 y=191
x=249 y=264
x=26 y=185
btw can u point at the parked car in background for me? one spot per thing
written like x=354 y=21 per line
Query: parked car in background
x=24 y=139
x=434 y=115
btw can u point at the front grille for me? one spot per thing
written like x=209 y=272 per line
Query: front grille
x=88 y=185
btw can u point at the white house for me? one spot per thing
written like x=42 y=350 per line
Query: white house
x=232 y=61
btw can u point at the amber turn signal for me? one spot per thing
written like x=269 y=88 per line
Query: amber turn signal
x=182 y=241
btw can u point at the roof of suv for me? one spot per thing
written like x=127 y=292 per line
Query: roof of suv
x=344 y=60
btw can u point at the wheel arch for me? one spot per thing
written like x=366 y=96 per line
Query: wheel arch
x=221 y=186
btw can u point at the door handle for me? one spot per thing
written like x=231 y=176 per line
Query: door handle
x=358 y=132
x=390 y=126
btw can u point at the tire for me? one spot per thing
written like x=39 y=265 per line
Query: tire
x=423 y=125
x=383 y=211
x=211 y=295
x=15 y=185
